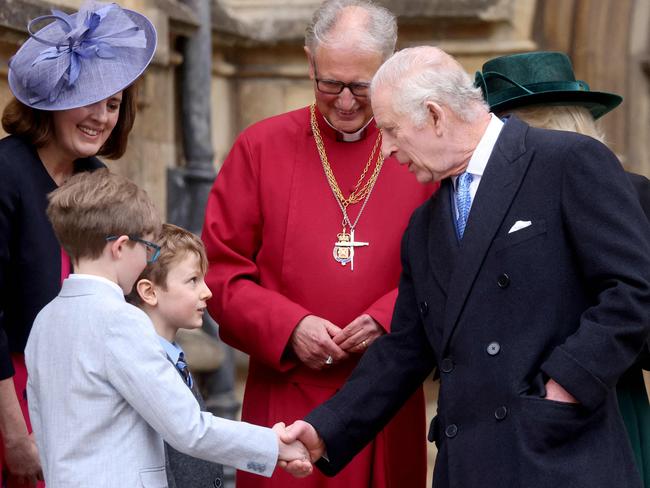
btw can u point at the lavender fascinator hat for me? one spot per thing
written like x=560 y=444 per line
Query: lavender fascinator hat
x=82 y=58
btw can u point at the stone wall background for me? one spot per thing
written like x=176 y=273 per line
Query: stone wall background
x=259 y=68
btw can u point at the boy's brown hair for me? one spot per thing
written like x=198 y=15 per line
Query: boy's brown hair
x=92 y=206
x=175 y=243
x=36 y=125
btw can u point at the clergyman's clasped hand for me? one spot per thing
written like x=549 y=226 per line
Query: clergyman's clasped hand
x=293 y=456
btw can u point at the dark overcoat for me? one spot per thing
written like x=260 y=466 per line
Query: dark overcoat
x=565 y=296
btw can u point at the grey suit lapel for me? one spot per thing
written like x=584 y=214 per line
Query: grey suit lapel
x=499 y=185
x=443 y=245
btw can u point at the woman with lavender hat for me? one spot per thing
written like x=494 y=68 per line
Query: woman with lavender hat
x=74 y=100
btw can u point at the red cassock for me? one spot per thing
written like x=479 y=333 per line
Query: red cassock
x=270 y=228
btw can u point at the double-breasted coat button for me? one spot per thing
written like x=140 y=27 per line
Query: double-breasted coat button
x=424 y=308
x=446 y=365
x=451 y=430
x=503 y=281
x=493 y=348
x=501 y=412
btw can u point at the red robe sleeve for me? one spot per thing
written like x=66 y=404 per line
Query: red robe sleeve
x=252 y=318
x=382 y=310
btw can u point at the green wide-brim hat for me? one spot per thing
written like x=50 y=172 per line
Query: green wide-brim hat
x=538 y=78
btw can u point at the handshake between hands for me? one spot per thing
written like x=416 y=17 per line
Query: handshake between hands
x=299 y=446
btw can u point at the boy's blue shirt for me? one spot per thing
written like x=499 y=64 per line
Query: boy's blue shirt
x=172 y=349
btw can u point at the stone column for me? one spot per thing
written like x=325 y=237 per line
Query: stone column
x=189 y=186
x=196 y=75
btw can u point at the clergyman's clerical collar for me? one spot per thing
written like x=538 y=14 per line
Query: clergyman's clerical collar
x=349 y=136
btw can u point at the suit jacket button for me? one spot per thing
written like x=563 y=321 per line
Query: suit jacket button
x=501 y=412
x=424 y=308
x=451 y=430
x=503 y=281
x=446 y=365
x=493 y=348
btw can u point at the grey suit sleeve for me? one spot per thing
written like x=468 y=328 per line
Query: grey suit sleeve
x=611 y=239
x=136 y=366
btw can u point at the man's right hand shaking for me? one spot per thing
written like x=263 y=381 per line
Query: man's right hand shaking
x=292 y=454
x=305 y=433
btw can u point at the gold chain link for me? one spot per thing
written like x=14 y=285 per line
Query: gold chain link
x=358 y=194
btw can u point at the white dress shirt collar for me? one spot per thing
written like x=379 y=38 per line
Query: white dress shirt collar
x=101 y=279
x=480 y=157
x=483 y=151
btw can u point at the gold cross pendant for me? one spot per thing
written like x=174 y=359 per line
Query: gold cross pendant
x=344 y=248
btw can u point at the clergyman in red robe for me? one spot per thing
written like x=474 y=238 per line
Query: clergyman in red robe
x=303 y=229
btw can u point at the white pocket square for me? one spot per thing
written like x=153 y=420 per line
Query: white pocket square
x=520 y=224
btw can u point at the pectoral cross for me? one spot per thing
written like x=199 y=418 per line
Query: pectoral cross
x=344 y=249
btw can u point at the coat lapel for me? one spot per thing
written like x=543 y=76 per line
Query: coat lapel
x=443 y=245
x=499 y=185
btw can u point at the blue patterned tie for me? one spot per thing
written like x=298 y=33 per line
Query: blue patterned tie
x=463 y=201
x=185 y=371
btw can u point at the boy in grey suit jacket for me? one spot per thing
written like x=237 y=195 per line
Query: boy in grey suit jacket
x=173 y=293
x=103 y=395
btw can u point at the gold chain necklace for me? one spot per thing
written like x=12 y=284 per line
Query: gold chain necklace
x=343 y=251
x=358 y=194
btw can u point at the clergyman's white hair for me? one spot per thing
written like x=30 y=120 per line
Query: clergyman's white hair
x=424 y=74
x=377 y=32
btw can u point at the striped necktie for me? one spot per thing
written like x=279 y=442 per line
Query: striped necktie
x=181 y=365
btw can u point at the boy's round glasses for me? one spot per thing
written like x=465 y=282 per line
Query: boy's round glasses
x=153 y=250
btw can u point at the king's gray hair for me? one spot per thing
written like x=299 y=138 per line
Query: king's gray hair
x=424 y=74
x=379 y=33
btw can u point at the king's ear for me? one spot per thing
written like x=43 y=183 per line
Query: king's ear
x=147 y=292
x=437 y=116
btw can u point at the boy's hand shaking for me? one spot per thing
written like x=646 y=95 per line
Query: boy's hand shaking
x=293 y=456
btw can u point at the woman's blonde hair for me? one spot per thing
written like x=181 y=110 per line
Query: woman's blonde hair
x=572 y=118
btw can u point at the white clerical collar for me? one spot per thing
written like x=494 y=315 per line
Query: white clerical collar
x=349 y=136
x=483 y=151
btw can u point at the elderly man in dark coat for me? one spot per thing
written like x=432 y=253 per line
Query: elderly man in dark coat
x=526 y=282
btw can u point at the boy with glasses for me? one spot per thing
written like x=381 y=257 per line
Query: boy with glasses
x=102 y=394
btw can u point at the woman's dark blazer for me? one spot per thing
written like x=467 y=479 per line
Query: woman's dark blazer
x=30 y=255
